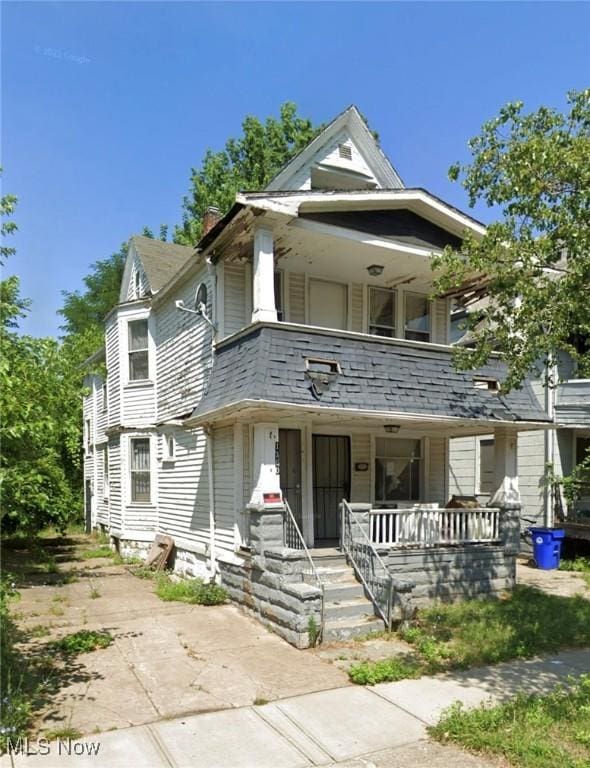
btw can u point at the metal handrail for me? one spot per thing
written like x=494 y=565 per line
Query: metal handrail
x=313 y=569
x=387 y=614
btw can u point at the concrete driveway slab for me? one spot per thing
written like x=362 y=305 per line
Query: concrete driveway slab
x=238 y=738
x=348 y=722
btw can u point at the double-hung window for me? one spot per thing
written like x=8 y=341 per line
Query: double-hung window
x=139 y=368
x=140 y=470
x=417 y=317
x=382 y=307
x=397 y=469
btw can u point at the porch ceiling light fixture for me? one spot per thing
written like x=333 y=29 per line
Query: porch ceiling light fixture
x=392 y=429
x=375 y=269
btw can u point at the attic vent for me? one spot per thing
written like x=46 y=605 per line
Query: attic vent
x=345 y=151
x=321 y=374
x=486 y=382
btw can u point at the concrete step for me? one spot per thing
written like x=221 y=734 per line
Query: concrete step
x=332 y=575
x=343 y=590
x=349 y=628
x=357 y=608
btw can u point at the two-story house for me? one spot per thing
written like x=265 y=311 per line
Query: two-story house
x=281 y=399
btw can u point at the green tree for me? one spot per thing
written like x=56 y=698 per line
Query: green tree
x=8 y=227
x=246 y=163
x=533 y=264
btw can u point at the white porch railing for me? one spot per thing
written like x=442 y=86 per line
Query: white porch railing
x=426 y=527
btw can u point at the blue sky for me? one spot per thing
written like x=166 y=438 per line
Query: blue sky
x=106 y=106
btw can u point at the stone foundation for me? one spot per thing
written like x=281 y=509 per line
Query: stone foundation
x=281 y=603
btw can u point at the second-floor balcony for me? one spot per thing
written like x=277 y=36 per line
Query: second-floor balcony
x=288 y=367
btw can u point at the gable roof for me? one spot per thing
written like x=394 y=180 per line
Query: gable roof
x=161 y=261
x=353 y=123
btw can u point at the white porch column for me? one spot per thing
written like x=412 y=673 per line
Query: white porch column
x=267 y=485
x=263 y=288
x=506 y=468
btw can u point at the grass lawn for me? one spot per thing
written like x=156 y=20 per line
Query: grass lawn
x=477 y=632
x=528 y=731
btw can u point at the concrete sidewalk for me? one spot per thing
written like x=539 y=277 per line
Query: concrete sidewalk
x=384 y=725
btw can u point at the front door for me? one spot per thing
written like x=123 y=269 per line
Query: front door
x=290 y=469
x=331 y=484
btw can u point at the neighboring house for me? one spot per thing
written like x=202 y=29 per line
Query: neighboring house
x=568 y=405
x=287 y=387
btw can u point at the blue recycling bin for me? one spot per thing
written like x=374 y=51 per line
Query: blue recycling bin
x=547 y=547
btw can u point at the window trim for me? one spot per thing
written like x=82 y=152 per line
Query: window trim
x=395 y=294
x=423 y=462
x=106 y=485
x=130 y=471
x=169 y=456
x=405 y=320
x=145 y=349
x=478 y=489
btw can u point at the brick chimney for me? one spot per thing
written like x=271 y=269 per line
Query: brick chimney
x=210 y=218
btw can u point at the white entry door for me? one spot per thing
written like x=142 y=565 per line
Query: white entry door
x=328 y=304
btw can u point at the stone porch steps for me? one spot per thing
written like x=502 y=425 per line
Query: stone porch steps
x=347 y=612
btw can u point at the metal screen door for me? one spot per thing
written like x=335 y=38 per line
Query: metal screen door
x=331 y=483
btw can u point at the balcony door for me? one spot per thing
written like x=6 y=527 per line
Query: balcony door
x=328 y=304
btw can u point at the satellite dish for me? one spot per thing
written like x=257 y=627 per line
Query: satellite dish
x=201 y=299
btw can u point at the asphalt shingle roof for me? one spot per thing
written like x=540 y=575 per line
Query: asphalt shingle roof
x=161 y=261
x=269 y=364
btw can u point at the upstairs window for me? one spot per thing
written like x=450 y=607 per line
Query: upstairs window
x=140 y=470
x=382 y=310
x=105 y=401
x=417 y=317
x=137 y=284
x=87 y=436
x=138 y=350
x=397 y=469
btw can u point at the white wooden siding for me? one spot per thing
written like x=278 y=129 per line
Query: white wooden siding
x=361 y=490
x=113 y=370
x=139 y=404
x=136 y=268
x=183 y=352
x=462 y=466
x=183 y=490
x=329 y=154
x=357 y=308
x=436 y=484
x=235 y=298
x=296 y=284
x=223 y=473
x=115 y=482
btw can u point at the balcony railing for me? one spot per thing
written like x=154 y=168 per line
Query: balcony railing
x=433 y=527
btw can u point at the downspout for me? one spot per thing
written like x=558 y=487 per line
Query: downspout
x=549 y=453
x=209 y=434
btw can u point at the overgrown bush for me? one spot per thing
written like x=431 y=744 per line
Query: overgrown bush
x=15 y=707
x=190 y=591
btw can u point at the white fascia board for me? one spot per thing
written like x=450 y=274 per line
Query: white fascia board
x=131 y=254
x=446 y=215
x=233 y=409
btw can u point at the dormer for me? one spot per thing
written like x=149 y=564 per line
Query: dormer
x=344 y=156
x=150 y=265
